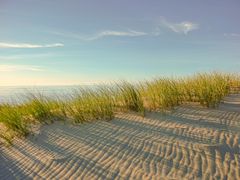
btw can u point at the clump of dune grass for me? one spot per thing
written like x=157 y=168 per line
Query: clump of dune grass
x=12 y=118
x=234 y=83
x=209 y=89
x=88 y=105
x=58 y=108
x=127 y=96
x=39 y=108
x=186 y=90
x=161 y=94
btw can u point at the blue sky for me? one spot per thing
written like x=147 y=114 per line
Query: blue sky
x=60 y=42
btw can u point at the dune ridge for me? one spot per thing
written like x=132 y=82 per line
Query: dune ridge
x=191 y=142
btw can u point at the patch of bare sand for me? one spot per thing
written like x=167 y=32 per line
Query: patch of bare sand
x=190 y=143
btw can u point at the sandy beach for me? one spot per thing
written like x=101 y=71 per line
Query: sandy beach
x=191 y=142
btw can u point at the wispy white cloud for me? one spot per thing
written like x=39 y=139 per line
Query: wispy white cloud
x=14 y=68
x=232 y=34
x=102 y=34
x=26 y=45
x=182 y=28
x=130 y=33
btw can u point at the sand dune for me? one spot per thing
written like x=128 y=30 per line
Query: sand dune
x=190 y=143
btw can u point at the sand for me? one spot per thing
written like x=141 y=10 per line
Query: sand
x=192 y=142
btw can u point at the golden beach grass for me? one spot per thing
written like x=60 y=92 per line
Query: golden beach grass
x=85 y=105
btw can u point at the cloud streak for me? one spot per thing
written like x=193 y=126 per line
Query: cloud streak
x=181 y=28
x=14 y=68
x=107 y=33
x=28 y=46
x=102 y=34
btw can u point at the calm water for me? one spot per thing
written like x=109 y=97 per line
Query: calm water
x=17 y=93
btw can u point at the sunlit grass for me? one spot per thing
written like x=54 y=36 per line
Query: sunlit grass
x=234 y=83
x=13 y=119
x=39 y=107
x=84 y=105
x=161 y=94
x=88 y=105
x=127 y=96
x=12 y=122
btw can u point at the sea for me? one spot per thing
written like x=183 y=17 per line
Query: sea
x=19 y=94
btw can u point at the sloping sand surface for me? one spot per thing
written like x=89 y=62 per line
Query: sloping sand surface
x=190 y=143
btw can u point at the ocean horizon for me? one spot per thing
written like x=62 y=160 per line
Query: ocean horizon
x=16 y=94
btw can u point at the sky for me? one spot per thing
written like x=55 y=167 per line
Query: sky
x=69 y=42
